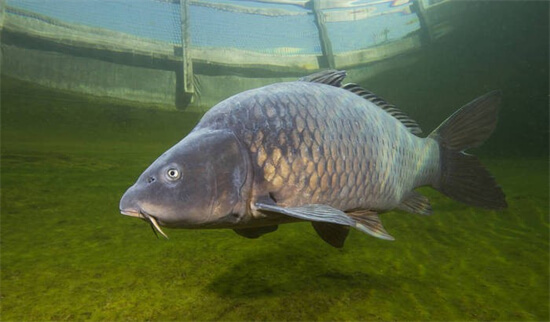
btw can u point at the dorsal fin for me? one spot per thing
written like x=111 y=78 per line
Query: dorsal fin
x=335 y=77
x=331 y=77
x=411 y=124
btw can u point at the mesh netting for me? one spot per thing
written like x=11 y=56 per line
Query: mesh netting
x=271 y=28
x=148 y=19
x=384 y=24
x=288 y=35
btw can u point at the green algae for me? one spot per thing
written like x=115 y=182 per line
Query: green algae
x=67 y=254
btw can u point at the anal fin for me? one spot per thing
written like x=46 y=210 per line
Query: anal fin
x=335 y=235
x=416 y=204
x=255 y=232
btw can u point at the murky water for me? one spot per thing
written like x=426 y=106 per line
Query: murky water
x=67 y=254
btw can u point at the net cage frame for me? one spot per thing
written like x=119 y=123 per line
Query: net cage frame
x=175 y=73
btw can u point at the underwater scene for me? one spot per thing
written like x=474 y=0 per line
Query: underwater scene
x=68 y=254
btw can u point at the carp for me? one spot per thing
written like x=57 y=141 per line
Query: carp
x=313 y=150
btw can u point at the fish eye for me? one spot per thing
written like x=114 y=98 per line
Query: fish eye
x=173 y=174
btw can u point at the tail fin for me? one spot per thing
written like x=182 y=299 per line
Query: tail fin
x=463 y=177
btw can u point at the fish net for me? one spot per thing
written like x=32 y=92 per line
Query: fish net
x=272 y=27
x=163 y=50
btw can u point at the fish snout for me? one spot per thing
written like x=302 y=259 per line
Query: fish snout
x=128 y=206
x=129 y=203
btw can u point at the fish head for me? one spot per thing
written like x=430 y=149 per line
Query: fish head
x=201 y=182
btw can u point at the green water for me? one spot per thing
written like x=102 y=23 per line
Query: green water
x=68 y=255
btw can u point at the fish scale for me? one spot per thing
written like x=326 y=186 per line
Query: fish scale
x=316 y=140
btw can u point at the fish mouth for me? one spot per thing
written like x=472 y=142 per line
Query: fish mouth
x=148 y=217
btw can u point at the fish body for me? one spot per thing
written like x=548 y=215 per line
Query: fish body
x=312 y=143
x=313 y=150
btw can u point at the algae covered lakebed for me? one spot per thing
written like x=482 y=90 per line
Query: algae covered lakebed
x=67 y=253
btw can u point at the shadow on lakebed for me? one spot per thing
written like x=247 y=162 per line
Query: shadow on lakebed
x=299 y=269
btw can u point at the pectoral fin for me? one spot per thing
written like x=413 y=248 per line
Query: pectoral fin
x=255 y=232
x=333 y=234
x=313 y=212
x=363 y=220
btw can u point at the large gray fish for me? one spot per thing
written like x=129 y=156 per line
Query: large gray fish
x=313 y=150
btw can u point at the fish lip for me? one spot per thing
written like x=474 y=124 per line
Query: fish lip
x=132 y=213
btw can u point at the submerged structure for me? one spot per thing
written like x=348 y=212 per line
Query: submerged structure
x=173 y=54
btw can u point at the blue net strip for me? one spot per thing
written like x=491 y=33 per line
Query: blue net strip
x=148 y=19
x=284 y=29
